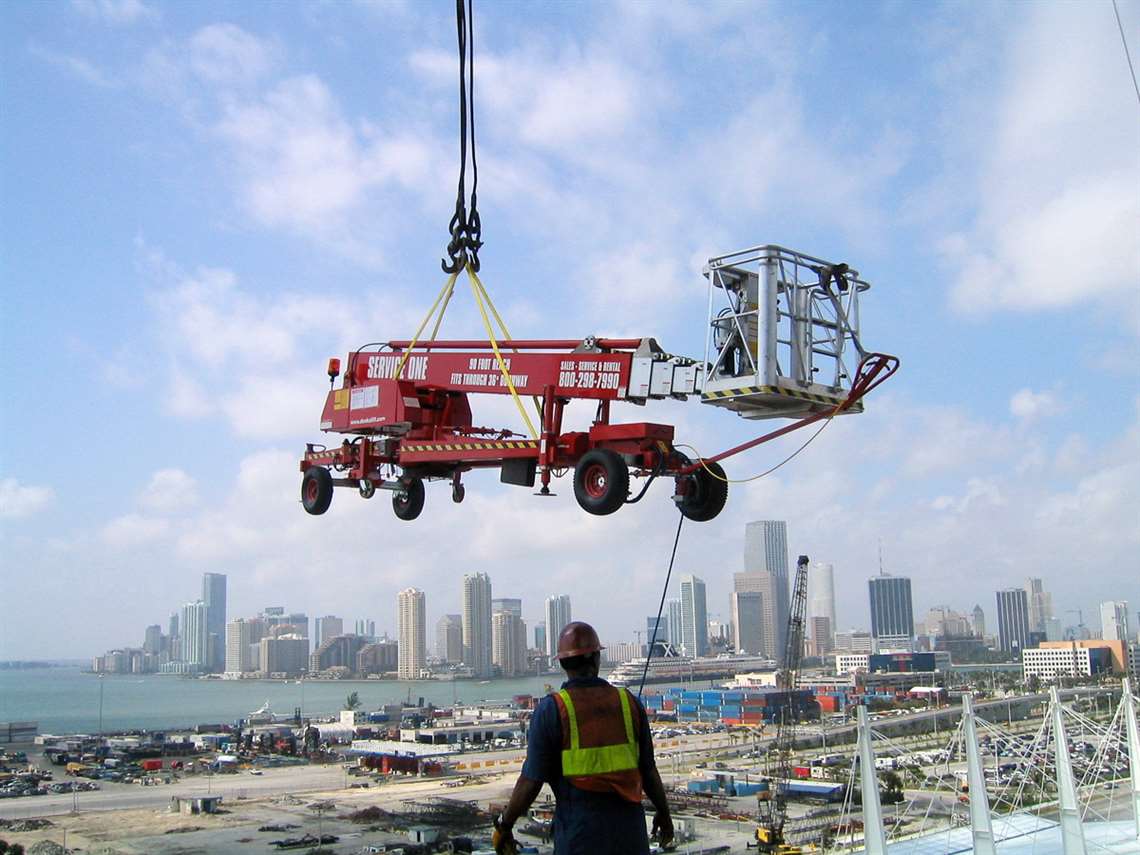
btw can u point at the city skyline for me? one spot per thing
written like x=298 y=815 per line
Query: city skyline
x=178 y=190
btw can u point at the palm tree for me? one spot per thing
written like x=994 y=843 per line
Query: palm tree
x=352 y=701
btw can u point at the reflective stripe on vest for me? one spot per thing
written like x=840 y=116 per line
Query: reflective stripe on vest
x=578 y=761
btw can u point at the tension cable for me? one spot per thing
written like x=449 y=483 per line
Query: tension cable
x=661 y=607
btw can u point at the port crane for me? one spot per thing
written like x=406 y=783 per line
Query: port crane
x=774 y=812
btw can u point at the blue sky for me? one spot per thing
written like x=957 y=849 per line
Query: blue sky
x=202 y=202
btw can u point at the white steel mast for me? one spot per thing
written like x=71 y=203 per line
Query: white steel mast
x=1072 y=834
x=1133 y=749
x=874 y=835
x=981 y=826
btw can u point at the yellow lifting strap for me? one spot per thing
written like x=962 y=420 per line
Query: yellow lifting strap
x=483 y=301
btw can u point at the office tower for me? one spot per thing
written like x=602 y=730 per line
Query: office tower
x=759 y=640
x=748 y=622
x=766 y=553
x=366 y=628
x=557 y=616
x=821 y=643
x=656 y=631
x=339 y=652
x=152 y=639
x=174 y=643
x=694 y=616
x=412 y=622
x=979 y=622
x=1013 y=620
x=239 y=643
x=1053 y=629
x=892 y=614
x=540 y=636
x=214 y=596
x=1040 y=604
x=507 y=604
x=673 y=611
x=821 y=600
x=1114 y=621
x=194 y=631
x=449 y=639
x=477 y=623
x=328 y=627
x=286 y=655
x=508 y=643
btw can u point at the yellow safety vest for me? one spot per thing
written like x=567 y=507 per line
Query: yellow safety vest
x=578 y=761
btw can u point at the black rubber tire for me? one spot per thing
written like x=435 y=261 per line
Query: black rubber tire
x=458 y=492
x=601 y=481
x=707 y=493
x=316 y=490
x=408 y=503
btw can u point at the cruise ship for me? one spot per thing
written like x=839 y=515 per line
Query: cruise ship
x=687 y=669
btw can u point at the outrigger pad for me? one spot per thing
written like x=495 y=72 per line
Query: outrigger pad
x=518 y=471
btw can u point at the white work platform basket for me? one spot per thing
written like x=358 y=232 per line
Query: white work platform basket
x=783 y=333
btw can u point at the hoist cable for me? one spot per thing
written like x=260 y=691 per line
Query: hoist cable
x=465 y=227
x=661 y=607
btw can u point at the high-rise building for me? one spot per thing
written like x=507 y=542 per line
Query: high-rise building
x=508 y=643
x=762 y=638
x=412 y=606
x=978 y=619
x=339 y=653
x=748 y=622
x=238 y=646
x=194 y=631
x=821 y=600
x=694 y=616
x=656 y=631
x=892 y=613
x=328 y=627
x=449 y=639
x=557 y=616
x=1114 y=621
x=507 y=604
x=1040 y=604
x=152 y=639
x=287 y=655
x=766 y=552
x=821 y=637
x=477 y=623
x=1013 y=620
x=214 y=596
x=673 y=610
x=540 y=636
x=366 y=628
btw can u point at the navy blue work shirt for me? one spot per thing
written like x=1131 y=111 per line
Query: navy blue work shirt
x=585 y=822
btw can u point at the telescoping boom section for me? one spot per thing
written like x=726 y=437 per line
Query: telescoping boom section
x=404 y=407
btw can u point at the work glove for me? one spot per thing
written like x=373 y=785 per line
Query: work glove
x=503 y=839
x=663 y=829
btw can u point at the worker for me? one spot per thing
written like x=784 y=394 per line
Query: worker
x=591 y=743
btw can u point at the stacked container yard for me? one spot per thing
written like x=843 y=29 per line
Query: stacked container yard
x=749 y=707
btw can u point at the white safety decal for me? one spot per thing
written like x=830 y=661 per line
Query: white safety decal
x=364 y=397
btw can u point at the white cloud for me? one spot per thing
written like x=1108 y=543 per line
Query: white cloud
x=169 y=491
x=115 y=11
x=133 y=530
x=76 y=66
x=1058 y=210
x=225 y=54
x=1029 y=405
x=22 y=500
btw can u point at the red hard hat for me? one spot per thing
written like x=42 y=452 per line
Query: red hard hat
x=578 y=639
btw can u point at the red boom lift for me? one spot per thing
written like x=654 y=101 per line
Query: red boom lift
x=407 y=406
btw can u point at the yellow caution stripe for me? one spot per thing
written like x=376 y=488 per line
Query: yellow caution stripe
x=469 y=446
x=771 y=390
